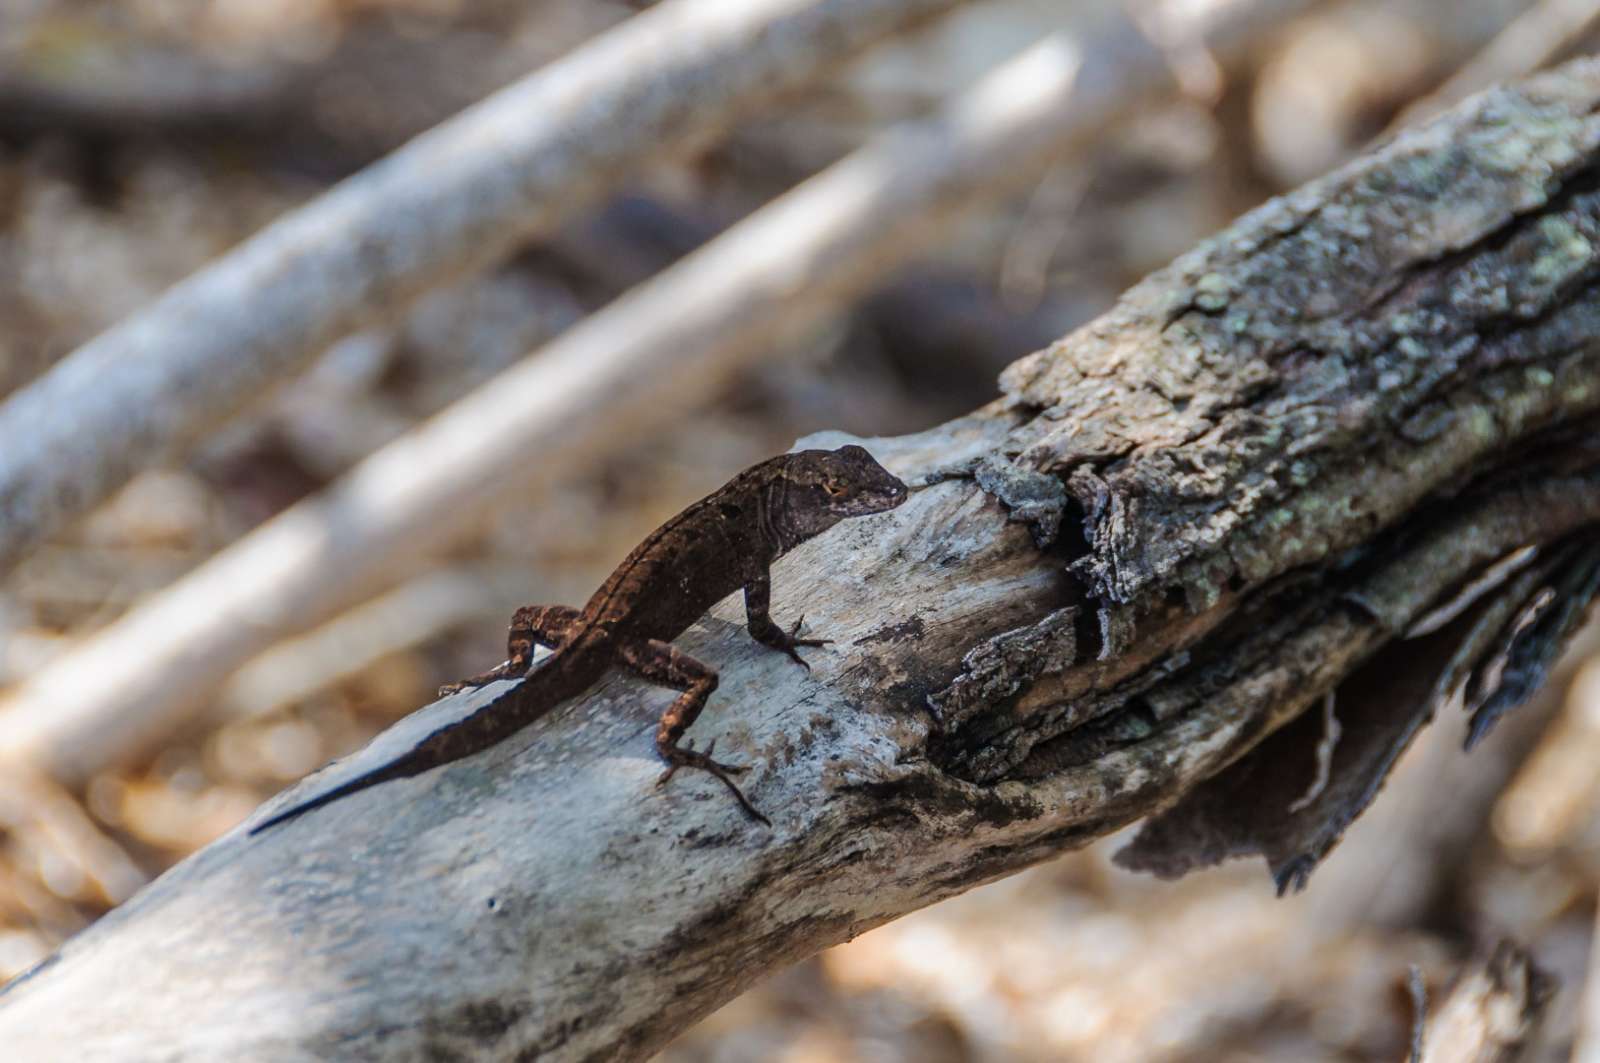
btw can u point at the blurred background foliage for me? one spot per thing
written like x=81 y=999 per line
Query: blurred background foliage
x=140 y=138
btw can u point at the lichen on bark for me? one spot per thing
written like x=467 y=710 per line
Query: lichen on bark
x=1335 y=357
x=1256 y=433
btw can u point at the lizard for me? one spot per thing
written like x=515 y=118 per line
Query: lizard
x=725 y=542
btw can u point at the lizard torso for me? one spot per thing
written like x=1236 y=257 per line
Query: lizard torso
x=726 y=541
x=691 y=562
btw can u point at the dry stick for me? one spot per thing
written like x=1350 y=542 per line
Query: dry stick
x=1419 y=1011
x=272 y=107
x=454 y=200
x=1493 y=1014
x=546 y=898
x=1534 y=38
x=654 y=352
x=357 y=639
x=43 y=819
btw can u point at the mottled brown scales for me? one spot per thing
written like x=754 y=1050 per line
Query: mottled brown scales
x=726 y=541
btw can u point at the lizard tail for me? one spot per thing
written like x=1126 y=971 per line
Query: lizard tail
x=565 y=673
x=488 y=725
x=398 y=770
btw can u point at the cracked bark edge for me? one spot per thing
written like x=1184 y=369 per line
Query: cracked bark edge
x=1553 y=614
x=1006 y=664
x=1250 y=807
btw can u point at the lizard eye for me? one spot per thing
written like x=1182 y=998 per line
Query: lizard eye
x=832 y=488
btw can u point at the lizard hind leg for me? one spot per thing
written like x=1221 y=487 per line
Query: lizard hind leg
x=532 y=625
x=663 y=663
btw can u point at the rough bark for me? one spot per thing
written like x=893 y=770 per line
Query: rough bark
x=1238 y=492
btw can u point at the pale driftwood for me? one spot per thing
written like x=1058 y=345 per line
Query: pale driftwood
x=1494 y=1012
x=661 y=349
x=455 y=199
x=1280 y=452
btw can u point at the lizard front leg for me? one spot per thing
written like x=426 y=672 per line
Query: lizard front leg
x=757 y=600
x=541 y=625
x=663 y=663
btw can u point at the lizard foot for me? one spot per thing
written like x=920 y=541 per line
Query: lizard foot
x=791 y=644
x=686 y=756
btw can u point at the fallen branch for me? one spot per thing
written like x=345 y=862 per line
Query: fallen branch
x=657 y=351
x=1241 y=489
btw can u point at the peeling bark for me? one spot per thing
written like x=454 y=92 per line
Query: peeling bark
x=1303 y=441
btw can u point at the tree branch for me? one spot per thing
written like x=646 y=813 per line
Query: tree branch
x=1263 y=469
x=645 y=358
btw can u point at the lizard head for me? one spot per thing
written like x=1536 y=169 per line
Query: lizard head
x=823 y=487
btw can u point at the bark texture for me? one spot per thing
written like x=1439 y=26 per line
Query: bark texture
x=1310 y=458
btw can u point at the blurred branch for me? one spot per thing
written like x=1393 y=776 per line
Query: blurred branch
x=1417 y=988
x=412 y=613
x=455 y=199
x=1282 y=452
x=50 y=827
x=1587 y=1048
x=1534 y=38
x=1494 y=1012
x=132 y=91
x=115 y=91
x=643 y=360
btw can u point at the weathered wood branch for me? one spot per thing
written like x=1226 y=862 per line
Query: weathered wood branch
x=1238 y=492
x=642 y=361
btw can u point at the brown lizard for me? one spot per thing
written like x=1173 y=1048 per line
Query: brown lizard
x=726 y=541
